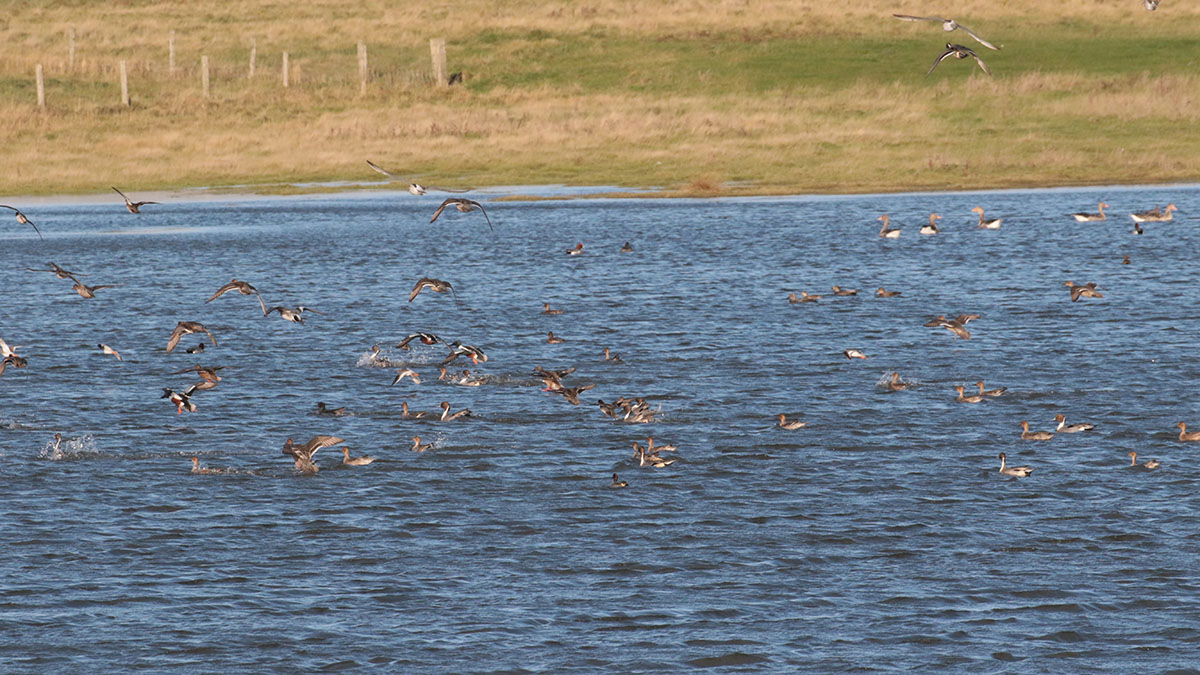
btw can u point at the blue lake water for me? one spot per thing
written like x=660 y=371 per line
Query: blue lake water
x=879 y=537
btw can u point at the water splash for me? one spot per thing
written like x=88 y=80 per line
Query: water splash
x=70 y=448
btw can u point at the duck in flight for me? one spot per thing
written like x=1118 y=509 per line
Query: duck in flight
x=134 y=207
x=303 y=454
x=187 y=328
x=58 y=272
x=458 y=349
x=958 y=52
x=293 y=315
x=948 y=25
x=24 y=220
x=435 y=285
x=86 y=291
x=464 y=205
x=182 y=400
x=241 y=287
x=1087 y=290
x=109 y=350
x=415 y=188
x=425 y=338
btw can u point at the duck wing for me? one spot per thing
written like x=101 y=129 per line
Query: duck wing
x=908 y=17
x=978 y=39
x=942 y=57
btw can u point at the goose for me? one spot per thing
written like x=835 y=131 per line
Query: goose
x=1148 y=464
x=24 y=220
x=886 y=231
x=1185 y=435
x=1091 y=217
x=109 y=350
x=932 y=227
x=948 y=25
x=1154 y=215
x=990 y=392
x=134 y=207
x=790 y=426
x=435 y=285
x=187 y=328
x=1071 y=428
x=303 y=454
x=1028 y=435
x=464 y=206
x=986 y=224
x=241 y=287
x=1018 y=471
x=617 y=483
x=355 y=461
x=958 y=52
x=963 y=398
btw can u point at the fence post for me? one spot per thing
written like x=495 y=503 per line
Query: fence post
x=362 y=67
x=171 y=46
x=41 y=88
x=253 y=56
x=71 y=50
x=437 y=49
x=204 y=74
x=124 y=85
x=285 y=70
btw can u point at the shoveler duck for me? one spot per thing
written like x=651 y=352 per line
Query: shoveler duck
x=181 y=400
x=1018 y=471
x=854 y=354
x=458 y=349
x=984 y=223
x=1148 y=464
x=1092 y=217
x=109 y=350
x=425 y=338
x=885 y=231
x=1065 y=428
x=1027 y=435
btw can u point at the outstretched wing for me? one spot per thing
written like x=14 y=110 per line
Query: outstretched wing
x=906 y=17
x=122 y=195
x=222 y=291
x=375 y=166
x=978 y=39
x=981 y=63
x=941 y=58
x=175 y=337
x=441 y=208
x=485 y=215
x=317 y=442
x=442 y=189
x=421 y=283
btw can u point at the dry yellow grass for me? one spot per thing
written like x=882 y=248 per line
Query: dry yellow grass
x=765 y=96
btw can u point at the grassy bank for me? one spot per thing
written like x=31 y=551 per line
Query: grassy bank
x=716 y=97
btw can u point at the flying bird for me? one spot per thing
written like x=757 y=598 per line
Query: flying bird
x=948 y=25
x=58 y=272
x=24 y=220
x=425 y=338
x=241 y=287
x=186 y=328
x=458 y=349
x=415 y=188
x=86 y=291
x=1150 y=5
x=182 y=401
x=109 y=350
x=464 y=206
x=435 y=285
x=958 y=52
x=134 y=207
x=293 y=315
x=303 y=454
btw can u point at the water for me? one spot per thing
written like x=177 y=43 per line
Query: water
x=879 y=537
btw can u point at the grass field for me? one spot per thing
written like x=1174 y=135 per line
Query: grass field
x=719 y=97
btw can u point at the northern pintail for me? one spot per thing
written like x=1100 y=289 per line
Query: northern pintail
x=1018 y=471
x=958 y=52
x=187 y=328
x=1065 y=428
x=303 y=454
x=134 y=207
x=948 y=25
x=464 y=206
x=1028 y=435
x=241 y=287
x=24 y=220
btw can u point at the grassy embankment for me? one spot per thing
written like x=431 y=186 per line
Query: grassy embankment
x=723 y=97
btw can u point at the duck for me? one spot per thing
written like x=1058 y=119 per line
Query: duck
x=182 y=401
x=932 y=227
x=446 y=416
x=1137 y=229
x=552 y=339
x=109 y=350
x=241 y=287
x=882 y=292
x=617 y=482
x=463 y=205
x=990 y=392
x=1150 y=5
x=195 y=350
x=23 y=219
x=958 y=52
x=425 y=338
x=572 y=393
x=204 y=470
x=986 y=224
x=133 y=207
x=1154 y=215
x=435 y=285
x=58 y=272
x=1091 y=217
x=355 y=461
x=1125 y=261
x=654 y=450
x=649 y=459
x=1185 y=435
x=414 y=188
x=187 y=328
x=963 y=398
x=552 y=378
x=546 y=309
x=1027 y=435
x=1148 y=464
x=1071 y=428
x=413 y=415
x=955 y=326
x=948 y=25
x=578 y=250
x=837 y=290
x=409 y=373
x=418 y=446
x=1018 y=471
x=295 y=315
x=790 y=426
x=335 y=412
x=612 y=356
x=854 y=354
x=885 y=231
x=803 y=297
x=627 y=248
x=896 y=384
x=458 y=349
x=1087 y=290
x=303 y=454
x=86 y=291
x=206 y=373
